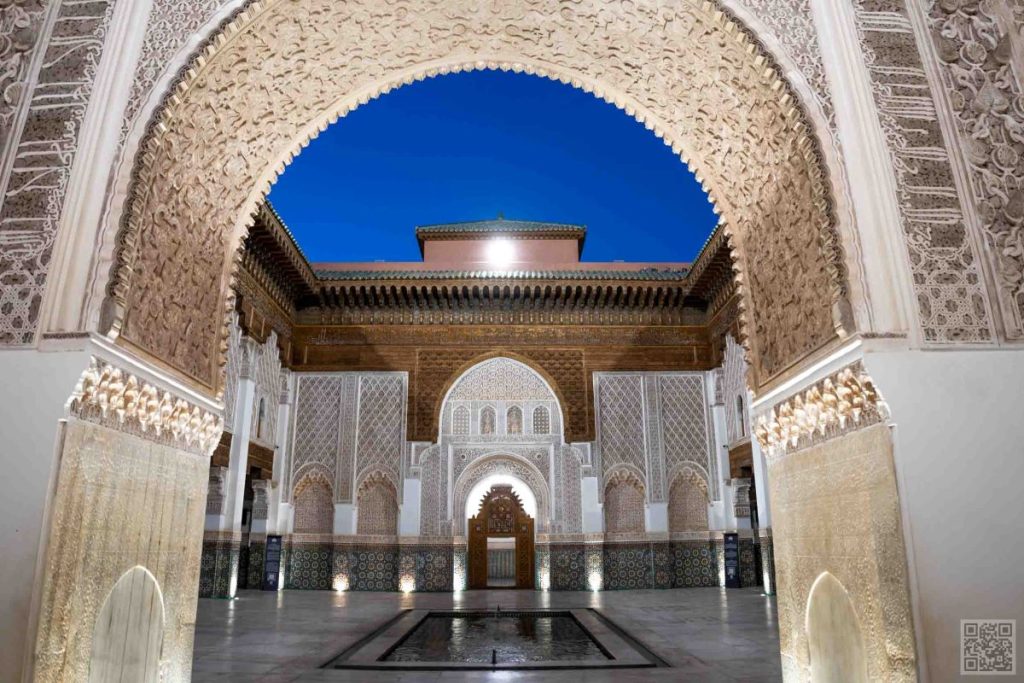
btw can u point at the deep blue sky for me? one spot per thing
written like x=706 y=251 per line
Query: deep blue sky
x=468 y=146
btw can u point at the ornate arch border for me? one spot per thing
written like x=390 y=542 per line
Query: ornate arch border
x=134 y=292
x=530 y=364
x=474 y=473
x=309 y=470
x=625 y=470
x=680 y=468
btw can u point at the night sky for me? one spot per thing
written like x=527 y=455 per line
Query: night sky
x=470 y=146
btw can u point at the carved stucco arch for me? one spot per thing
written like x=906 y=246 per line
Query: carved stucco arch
x=465 y=371
x=624 y=472
x=282 y=70
x=682 y=468
x=504 y=464
x=307 y=474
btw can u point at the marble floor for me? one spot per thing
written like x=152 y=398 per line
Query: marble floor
x=705 y=634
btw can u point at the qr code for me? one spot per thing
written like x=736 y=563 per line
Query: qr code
x=987 y=646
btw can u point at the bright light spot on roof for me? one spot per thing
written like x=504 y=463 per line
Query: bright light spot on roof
x=501 y=253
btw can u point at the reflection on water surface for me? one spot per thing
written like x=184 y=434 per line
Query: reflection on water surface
x=514 y=638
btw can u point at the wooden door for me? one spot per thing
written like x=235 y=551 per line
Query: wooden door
x=501 y=515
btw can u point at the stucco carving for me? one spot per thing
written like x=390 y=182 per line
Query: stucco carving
x=238 y=116
x=108 y=395
x=845 y=401
x=19 y=28
x=951 y=301
x=41 y=139
x=975 y=45
x=513 y=466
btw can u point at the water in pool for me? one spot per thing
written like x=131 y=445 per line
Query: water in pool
x=513 y=637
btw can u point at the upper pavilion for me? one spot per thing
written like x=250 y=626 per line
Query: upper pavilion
x=496 y=271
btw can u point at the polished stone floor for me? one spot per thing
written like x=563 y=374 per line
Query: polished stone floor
x=705 y=634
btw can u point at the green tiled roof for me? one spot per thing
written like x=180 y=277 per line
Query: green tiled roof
x=499 y=225
x=648 y=274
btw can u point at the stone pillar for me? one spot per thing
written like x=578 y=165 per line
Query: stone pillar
x=223 y=537
x=720 y=513
x=656 y=518
x=593 y=512
x=409 y=510
x=344 y=519
x=764 y=518
x=278 y=513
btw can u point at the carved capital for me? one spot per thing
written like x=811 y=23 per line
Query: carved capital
x=261 y=489
x=844 y=401
x=108 y=395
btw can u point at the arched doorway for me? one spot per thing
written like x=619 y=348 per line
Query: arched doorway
x=233 y=122
x=501 y=516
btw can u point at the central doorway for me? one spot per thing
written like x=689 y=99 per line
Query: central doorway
x=501 y=526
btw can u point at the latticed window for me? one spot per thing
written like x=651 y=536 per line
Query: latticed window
x=514 y=420
x=487 y=420
x=460 y=420
x=541 y=420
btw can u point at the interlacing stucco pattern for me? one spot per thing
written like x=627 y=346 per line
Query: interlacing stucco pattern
x=41 y=117
x=951 y=304
x=981 y=49
x=256 y=96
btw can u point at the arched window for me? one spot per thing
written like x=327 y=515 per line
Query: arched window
x=261 y=413
x=741 y=422
x=487 y=420
x=541 y=420
x=460 y=420
x=514 y=420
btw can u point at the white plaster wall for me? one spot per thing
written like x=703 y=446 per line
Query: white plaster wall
x=959 y=453
x=36 y=387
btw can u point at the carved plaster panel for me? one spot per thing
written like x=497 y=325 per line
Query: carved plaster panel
x=845 y=401
x=36 y=166
x=952 y=306
x=110 y=396
x=502 y=465
x=981 y=49
x=381 y=425
x=240 y=118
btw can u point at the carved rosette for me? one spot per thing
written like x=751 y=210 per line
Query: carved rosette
x=113 y=397
x=845 y=401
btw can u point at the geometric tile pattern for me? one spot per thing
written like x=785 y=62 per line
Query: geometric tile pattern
x=367 y=567
x=628 y=566
x=308 y=566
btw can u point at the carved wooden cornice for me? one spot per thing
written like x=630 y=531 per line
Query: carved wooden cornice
x=272 y=262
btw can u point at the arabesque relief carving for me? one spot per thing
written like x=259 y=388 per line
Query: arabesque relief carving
x=113 y=397
x=975 y=44
x=255 y=96
x=844 y=401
